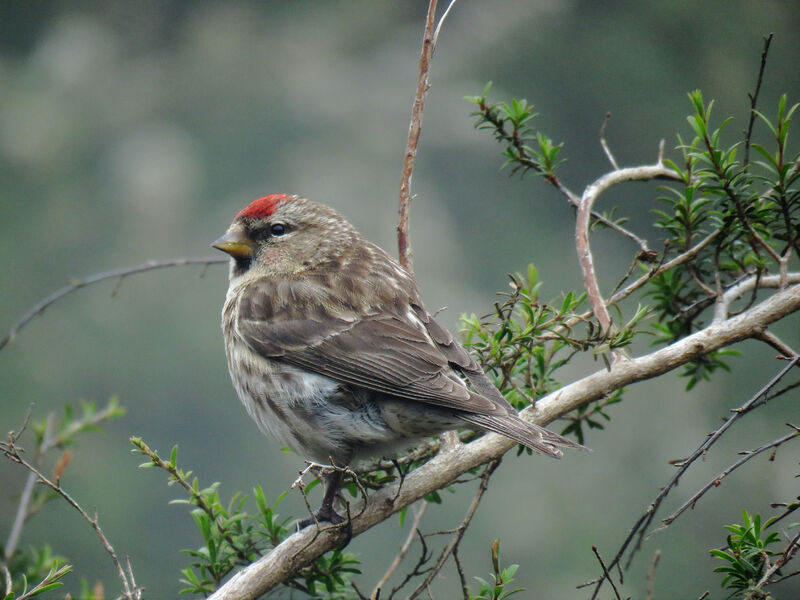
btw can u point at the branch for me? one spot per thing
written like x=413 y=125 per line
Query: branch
x=722 y=307
x=441 y=22
x=604 y=144
x=606 y=574
x=691 y=502
x=526 y=161
x=130 y=591
x=645 y=519
x=678 y=260
x=412 y=533
x=27 y=490
x=51 y=438
x=414 y=129
x=651 y=576
x=460 y=530
x=177 y=476
x=627 y=291
x=302 y=547
x=583 y=222
x=754 y=98
x=120 y=274
x=776 y=342
x=785 y=557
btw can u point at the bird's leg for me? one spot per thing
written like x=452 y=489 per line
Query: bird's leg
x=326 y=511
x=401 y=475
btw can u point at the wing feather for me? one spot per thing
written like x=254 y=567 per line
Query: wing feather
x=388 y=351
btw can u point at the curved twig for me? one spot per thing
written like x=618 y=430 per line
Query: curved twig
x=748 y=285
x=77 y=284
x=583 y=221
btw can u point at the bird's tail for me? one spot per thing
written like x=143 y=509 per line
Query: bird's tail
x=530 y=435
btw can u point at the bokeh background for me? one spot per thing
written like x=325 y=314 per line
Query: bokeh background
x=135 y=130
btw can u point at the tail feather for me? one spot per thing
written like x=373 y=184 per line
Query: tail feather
x=530 y=435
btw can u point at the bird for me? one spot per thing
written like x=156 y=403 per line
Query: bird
x=333 y=353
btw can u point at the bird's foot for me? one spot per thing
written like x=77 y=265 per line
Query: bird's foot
x=323 y=514
x=336 y=520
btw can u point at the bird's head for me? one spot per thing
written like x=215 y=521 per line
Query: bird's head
x=284 y=235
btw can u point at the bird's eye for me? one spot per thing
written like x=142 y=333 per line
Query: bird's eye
x=277 y=229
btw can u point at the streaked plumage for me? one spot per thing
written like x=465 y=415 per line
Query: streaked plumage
x=331 y=349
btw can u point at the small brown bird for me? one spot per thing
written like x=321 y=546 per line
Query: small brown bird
x=332 y=351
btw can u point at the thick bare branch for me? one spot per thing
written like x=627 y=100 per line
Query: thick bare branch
x=302 y=547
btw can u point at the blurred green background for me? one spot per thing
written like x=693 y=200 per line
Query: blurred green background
x=135 y=130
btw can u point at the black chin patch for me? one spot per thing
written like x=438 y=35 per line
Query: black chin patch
x=242 y=265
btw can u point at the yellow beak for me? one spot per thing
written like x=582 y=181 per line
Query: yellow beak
x=236 y=243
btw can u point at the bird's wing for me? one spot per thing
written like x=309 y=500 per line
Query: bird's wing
x=457 y=356
x=403 y=354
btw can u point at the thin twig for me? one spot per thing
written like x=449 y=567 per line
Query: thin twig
x=424 y=556
x=130 y=592
x=773 y=340
x=627 y=291
x=77 y=284
x=643 y=522
x=603 y=143
x=462 y=578
x=715 y=482
x=650 y=580
x=27 y=490
x=178 y=477
x=459 y=532
x=678 y=260
x=606 y=574
x=785 y=557
x=441 y=22
x=129 y=569
x=412 y=533
x=51 y=438
x=785 y=577
x=754 y=98
x=414 y=129
x=525 y=159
